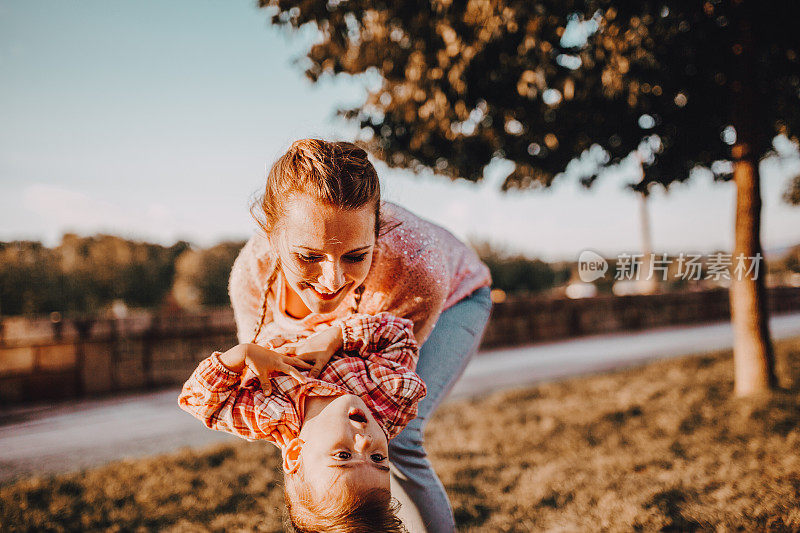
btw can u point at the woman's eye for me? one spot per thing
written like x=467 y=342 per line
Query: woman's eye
x=342 y=455
x=314 y=258
x=308 y=258
x=356 y=258
x=377 y=457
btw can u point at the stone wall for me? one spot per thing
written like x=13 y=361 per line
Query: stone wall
x=526 y=320
x=45 y=360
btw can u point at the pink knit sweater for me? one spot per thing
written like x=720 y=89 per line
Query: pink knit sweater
x=418 y=270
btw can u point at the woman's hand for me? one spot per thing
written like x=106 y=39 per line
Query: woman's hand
x=264 y=363
x=316 y=349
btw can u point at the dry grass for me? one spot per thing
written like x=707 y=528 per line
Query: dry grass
x=662 y=447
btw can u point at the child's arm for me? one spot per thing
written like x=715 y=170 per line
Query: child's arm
x=383 y=334
x=360 y=333
x=215 y=395
x=380 y=355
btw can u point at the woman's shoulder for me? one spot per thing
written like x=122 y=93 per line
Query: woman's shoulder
x=412 y=241
x=408 y=232
x=412 y=248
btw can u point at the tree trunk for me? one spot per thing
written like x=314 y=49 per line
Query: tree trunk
x=647 y=284
x=753 y=357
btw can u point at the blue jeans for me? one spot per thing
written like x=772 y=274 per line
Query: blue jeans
x=442 y=359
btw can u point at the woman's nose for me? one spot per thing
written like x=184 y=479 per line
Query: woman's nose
x=332 y=276
x=362 y=442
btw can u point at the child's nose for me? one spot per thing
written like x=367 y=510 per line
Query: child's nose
x=362 y=442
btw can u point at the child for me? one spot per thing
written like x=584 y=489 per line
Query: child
x=333 y=431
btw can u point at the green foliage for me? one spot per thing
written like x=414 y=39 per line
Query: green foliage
x=464 y=82
x=202 y=275
x=790 y=262
x=217 y=263
x=84 y=274
x=517 y=273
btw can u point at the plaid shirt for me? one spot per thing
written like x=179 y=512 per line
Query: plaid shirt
x=376 y=362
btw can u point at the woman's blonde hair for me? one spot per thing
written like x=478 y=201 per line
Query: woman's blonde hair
x=336 y=173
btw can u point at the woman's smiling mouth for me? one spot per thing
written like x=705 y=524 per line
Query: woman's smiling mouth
x=326 y=295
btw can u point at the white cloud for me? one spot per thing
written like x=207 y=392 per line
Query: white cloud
x=45 y=211
x=60 y=209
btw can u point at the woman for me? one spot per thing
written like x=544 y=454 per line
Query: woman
x=331 y=247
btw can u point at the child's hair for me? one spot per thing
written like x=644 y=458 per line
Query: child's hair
x=337 y=173
x=349 y=511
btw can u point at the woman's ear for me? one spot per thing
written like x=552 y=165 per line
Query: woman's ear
x=291 y=455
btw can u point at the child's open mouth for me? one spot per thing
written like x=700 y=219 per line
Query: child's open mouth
x=357 y=415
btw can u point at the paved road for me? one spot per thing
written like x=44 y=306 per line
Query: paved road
x=92 y=432
x=525 y=365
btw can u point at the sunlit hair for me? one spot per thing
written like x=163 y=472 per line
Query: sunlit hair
x=344 y=509
x=336 y=173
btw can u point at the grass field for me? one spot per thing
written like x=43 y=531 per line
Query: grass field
x=661 y=447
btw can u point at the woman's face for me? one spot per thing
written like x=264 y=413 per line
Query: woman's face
x=325 y=251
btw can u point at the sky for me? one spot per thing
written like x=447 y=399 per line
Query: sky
x=157 y=121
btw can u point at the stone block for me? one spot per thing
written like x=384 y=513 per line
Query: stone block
x=16 y=360
x=58 y=357
x=97 y=376
x=24 y=331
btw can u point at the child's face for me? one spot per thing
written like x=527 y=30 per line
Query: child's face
x=342 y=442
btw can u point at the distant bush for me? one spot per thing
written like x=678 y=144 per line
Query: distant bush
x=201 y=277
x=790 y=262
x=514 y=272
x=84 y=274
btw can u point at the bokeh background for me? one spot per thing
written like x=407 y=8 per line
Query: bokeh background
x=156 y=122
x=134 y=135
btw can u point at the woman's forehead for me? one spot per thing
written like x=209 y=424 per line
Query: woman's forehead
x=317 y=226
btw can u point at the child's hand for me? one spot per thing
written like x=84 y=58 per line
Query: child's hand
x=280 y=340
x=265 y=362
x=316 y=349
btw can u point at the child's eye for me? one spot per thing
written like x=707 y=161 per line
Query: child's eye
x=377 y=457
x=356 y=258
x=342 y=455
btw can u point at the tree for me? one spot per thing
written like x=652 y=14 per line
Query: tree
x=201 y=276
x=543 y=82
x=84 y=275
x=514 y=272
